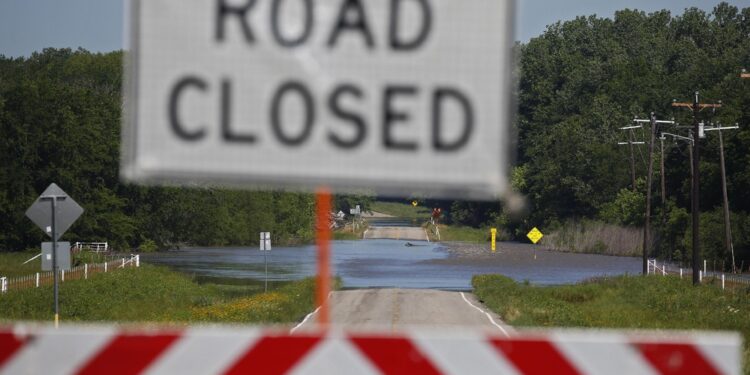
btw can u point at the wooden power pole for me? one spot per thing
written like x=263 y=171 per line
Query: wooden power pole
x=727 y=224
x=696 y=107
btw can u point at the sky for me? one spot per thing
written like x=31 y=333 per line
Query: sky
x=97 y=25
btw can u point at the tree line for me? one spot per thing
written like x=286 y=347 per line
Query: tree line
x=578 y=83
x=60 y=122
x=581 y=80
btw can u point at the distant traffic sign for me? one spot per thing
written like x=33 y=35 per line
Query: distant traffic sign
x=265 y=241
x=67 y=211
x=535 y=235
x=395 y=96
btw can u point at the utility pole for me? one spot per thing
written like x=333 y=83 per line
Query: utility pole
x=646 y=227
x=663 y=185
x=727 y=225
x=631 y=142
x=696 y=107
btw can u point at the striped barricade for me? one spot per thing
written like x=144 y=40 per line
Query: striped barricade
x=241 y=350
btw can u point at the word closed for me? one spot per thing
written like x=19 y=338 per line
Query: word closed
x=392 y=95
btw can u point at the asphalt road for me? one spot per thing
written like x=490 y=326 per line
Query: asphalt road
x=396 y=233
x=395 y=309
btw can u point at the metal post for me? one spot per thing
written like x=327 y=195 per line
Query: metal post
x=632 y=161
x=54 y=261
x=646 y=229
x=663 y=193
x=727 y=226
x=695 y=209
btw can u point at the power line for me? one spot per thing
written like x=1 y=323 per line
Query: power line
x=696 y=107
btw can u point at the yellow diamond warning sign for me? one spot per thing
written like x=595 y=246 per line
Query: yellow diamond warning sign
x=534 y=235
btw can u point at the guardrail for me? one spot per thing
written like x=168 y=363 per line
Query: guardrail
x=75 y=273
x=665 y=269
x=97 y=247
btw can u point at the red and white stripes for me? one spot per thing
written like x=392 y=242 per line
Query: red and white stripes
x=231 y=350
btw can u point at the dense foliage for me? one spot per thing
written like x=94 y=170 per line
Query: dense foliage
x=581 y=80
x=60 y=122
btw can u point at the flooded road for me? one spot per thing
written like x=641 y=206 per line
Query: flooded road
x=400 y=264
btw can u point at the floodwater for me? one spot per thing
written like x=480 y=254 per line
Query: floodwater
x=402 y=264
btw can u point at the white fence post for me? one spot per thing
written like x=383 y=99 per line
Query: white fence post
x=86 y=271
x=123 y=262
x=664 y=269
x=680 y=273
x=3 y=284
x=138 y=260
x=37 y=279
x=700 y=276
x=704 y=266
x=722 y=281
x=63 y=274
x=105 y=266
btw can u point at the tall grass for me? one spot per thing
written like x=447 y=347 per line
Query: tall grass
x=652 y=302
x=595 y=237
x=157 y=294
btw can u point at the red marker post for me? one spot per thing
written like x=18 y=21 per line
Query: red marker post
x=323 y=241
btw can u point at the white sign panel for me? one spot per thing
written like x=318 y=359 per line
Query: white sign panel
x=396 y=96
x=265 y=241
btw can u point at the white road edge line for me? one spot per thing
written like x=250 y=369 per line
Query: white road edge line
x=485 y=313
x=308 y=316
x=304 y=320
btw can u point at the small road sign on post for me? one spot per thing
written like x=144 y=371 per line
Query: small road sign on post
x=535 y=235
x=54 y=218
x=265 y=247
x=62 y=254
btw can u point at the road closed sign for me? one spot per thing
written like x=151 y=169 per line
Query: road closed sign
x=397 y=96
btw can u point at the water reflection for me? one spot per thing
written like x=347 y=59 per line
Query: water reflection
x=393 y=263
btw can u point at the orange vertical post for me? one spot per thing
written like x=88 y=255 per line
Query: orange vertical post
x=323 y=240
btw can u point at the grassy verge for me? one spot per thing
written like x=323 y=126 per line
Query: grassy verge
x=405 y=210
x=11 y=263
x=621 y=302
x=157 y=294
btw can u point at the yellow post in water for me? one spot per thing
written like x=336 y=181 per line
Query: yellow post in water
x=494 y=235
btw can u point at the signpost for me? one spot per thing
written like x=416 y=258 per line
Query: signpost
x=265 y=247
x=54 y=218
x=391 y=96
x=534 y=235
